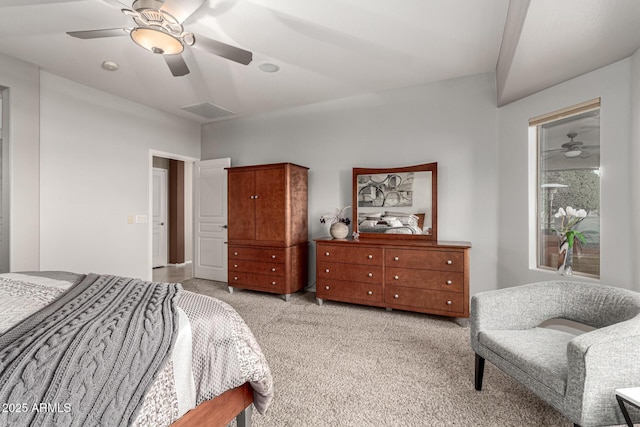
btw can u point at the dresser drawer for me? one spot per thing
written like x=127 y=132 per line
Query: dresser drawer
x=425 y=279
x=349 y=272
x=256 y=281
x=424 y=299
x=362 y=292
x=274 y=255
x=425 y=259
x=268 y=268
x=349 y=255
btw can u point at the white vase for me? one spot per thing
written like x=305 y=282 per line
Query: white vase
x=339 y=230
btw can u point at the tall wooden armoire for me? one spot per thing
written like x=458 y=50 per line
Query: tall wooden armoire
x=268 y=233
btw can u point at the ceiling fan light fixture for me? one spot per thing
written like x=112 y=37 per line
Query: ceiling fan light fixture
x=573 y=153
x=156 y=41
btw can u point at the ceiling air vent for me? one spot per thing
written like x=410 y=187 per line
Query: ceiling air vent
x=208 y=110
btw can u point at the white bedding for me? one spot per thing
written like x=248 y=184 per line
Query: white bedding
x=214 y=350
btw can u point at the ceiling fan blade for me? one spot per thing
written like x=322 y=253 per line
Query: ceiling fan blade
x=181 y=9
x=96 y=34
x=177 y=65
x=224 y=50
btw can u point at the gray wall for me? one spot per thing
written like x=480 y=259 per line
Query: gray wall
x=617 y=219
x=452 y=122
x=486 y=190
x=23 y=83
x=95 y=168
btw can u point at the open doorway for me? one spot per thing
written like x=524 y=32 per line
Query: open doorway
x=172 y=225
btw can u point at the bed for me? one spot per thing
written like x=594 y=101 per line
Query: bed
x=177 y=358
x=391 y=222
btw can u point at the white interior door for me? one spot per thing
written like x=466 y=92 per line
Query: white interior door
x=160 y=237
x=210 y=219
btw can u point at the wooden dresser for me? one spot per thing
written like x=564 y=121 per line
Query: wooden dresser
x=422 y=276
x=268 y=234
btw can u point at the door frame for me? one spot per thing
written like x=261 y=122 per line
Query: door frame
x=164 y=208
x=156 y=153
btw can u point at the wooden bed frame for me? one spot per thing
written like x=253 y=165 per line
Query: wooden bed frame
x=219 y=411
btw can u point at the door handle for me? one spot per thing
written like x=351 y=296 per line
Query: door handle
x=224 y=226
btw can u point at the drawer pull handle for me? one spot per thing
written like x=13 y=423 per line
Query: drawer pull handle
x=448 y=302
x=327 y=287
x=273 y=256
x=370 y=293
x=370 y=257
x=396 y=258
x=396 y=277
x=327 y=270
x=449 y=262
x=449 y=282
x=273 y=283
x=326 y=254
x=235 y=253
x=370 y=274
x=396 y=296
x=273 y=269
x=235 y=265
x=235 y=278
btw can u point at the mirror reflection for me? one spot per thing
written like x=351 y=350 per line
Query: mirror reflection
x=395 y=202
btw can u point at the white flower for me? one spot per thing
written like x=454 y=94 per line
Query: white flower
x=570 y=218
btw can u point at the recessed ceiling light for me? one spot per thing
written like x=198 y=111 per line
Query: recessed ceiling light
x=110 y=66
x=267 y=67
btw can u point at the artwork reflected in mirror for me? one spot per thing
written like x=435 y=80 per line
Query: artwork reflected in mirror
x=396 y=202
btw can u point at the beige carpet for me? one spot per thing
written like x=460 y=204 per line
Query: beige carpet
x=348 y=365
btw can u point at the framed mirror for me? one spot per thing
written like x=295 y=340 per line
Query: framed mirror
x=396 y=203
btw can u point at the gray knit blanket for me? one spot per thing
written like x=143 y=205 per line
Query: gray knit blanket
x=88 y=358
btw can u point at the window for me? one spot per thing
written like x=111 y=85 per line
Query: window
x=568 y=175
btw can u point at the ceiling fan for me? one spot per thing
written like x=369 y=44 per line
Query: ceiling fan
x=158 y=28
x=571 y=149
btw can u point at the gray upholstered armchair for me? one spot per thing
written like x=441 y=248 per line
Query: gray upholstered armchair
x=576 y=374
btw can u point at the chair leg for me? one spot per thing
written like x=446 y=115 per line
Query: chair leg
x=479 y=371
x=244 y=418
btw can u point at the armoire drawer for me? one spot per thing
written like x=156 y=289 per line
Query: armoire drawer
x=350 y=272
x=256 y=281
x=424 y=299
x=341 y=254
x=430 y=260
x=425 y=279
x=276 y=255
x=331 y=289
x=268 y=268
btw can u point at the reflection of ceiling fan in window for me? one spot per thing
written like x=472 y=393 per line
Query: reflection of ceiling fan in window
x=571 y=149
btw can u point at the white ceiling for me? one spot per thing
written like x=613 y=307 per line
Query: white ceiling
x=328 y=49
